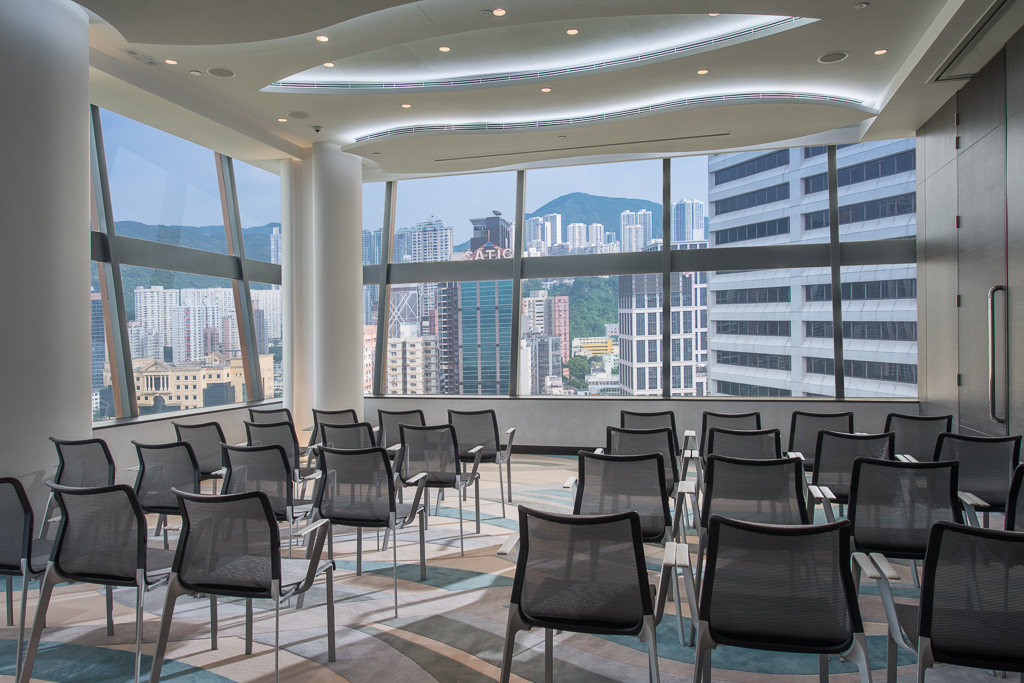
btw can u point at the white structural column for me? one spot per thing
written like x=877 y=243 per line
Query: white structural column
x=338 y=279
x=297 y=291
x=44 y=265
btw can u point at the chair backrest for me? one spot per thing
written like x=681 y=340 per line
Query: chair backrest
x=971 y=597
x=16 y=531
x=270 y=416
x=229 y=544
x=333 y=417
x=763 y=491
x=1013 y=520
x=834 y=455
x=986 y=464
x=102 y=534
x=789 y=587
x=356 y=488
x=804 y=428
x=609 y=484
x=916 y=435
x=634 y=420
x=390 y=420
x=752 y=444
x=433 y=449
x=726 y=421
x=83 y=463
x=619 y=441
x=587 y=571
x=275 y=434
x=476 y=428
x=205 y=440
x=161 y=468
x=353 y=436
x=893 y=504
x=259 y=468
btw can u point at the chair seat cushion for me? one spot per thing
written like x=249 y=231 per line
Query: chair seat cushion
x=583 y=606
x=41 y=548
x=293 y=571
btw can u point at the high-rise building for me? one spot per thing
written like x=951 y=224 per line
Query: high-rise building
x=491 y=230
x=431 y=240
x=545 y=357
x=576 y=235
x=645 y=220
x=688 y=220
x=545 y=315
x=412 y=366
x=371 y=246
x=596 y=234
x=269 y=301
x=771 y=330
x=552 y=229
x=98 y=346
x=275 y=246
x=485 y=334
x=403 y=309
x=633 y=238
x=626 y=219
x=152 y=311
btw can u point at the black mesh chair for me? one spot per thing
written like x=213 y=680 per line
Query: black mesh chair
x=1013 y=520
x=357 y=489
x=266 y=469
x=971 y=601
x=480 y=428
x=332 y=417
x=584 y=574
x=355 y=436
x=283 y=434
x=986 y=467
x=619 y=441
x=752 y=444
x=917 y=435
x=205 y=440
x=723 y=421
x=636 y=420
x=390 y=420
x=759 y=491
x=893 y=505
x=435 y=451
x=230 y=546
x=163 y=467
x=782 y=589
x=85 y=463
x=804 y=428
x=101 y=540
x=19 y=556
x=834 y=455
x=270 y=416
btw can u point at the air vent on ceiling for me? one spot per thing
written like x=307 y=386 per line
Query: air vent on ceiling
x=833 y=57
x=141 y=56
x=221 y=72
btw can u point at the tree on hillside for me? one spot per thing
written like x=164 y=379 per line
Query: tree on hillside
x=593 y=303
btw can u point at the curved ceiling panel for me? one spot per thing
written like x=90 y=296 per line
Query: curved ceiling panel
x=537 y=51
x=221 y=22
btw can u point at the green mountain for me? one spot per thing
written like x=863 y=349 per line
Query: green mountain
x=579 y=207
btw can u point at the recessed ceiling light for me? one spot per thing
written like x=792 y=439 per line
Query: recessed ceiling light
x=282 y=120
x=545 y=89
x=406 y=106
x=573 y=31
x=861 y=5
x=195 y=72
x=172 y=62
x=713 y=14
x=880 y=52
x=322 y=39
x=328 y=64
x=702 y=72
x=444 y=48
x=498 y=12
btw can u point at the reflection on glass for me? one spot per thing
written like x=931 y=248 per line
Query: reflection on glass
x=596 y=209
x=162 y=188
x=259 y=206
x=184 y=339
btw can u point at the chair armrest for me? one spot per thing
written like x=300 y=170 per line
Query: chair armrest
x=510 y=547
x=309 y=477
x=599 y=451
x=905 y=458
x=825 y=495
x=477 y=452
x=412 y=481
x=397 y=447
x=692 y=453
x=315 y=550
x=884 y=566
x=687 y=487
x=887 y=574
x=690 y=433
x=376 y=429
x=677 y=556
x=570 y=483
x=511 y=434
x=420 y=480
x=308 y=429
x=970 y=504
x=796 y=454
x=219 y=473
x=866 y=566
x=132 y=469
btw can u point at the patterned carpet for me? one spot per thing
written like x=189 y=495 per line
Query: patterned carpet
x=450 y=627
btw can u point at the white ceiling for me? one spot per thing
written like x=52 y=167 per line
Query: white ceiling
x=863 y=97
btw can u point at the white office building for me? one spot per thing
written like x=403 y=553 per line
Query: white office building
x=688 y=220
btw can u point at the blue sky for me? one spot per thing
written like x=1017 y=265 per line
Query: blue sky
x=159 y=179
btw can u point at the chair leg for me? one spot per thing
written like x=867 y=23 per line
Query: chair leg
x=514 y=626
x=423 y=546
x=140 y=592
x=437 y=505
x=924 y=657
x=51 y=507
x=213 y=622
x=276 y=590
x=248 y=626
x=394 y=566
x=462 y=540
x=508 y=479
x=49 y=581
x=913 y=573
x=477 y=493
x=359 y=551
x=649 y=636
x=702 y=656
x=890 y=659
x=822 y=668
x=330 y=615
x=858 y=654
x=426 y=503
x=501 y=490
x=549 y=655
x=110 y=611
x=10 y=598
x=387 y=533
x=21 y=619
x=174 y=591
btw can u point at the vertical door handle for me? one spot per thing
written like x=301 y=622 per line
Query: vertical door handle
x=992 y=353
